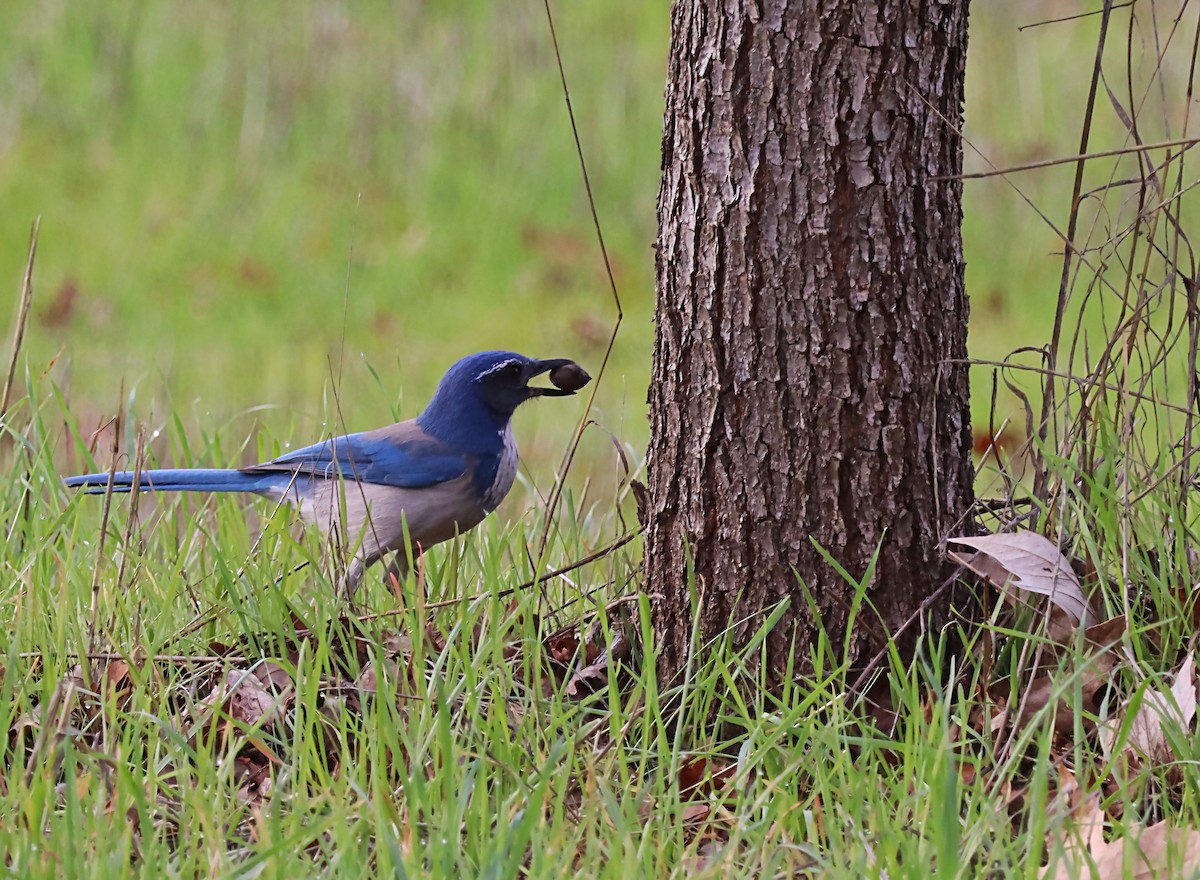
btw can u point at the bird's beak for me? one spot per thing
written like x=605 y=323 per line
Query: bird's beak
x=566 y=376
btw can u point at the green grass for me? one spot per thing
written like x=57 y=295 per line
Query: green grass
x=466 y=754
x=259 y=205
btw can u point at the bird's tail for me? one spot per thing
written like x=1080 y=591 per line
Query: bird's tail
x=183 y=480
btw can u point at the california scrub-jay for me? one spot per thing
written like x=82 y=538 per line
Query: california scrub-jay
x=437 y=475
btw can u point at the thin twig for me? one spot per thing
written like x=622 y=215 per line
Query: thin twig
x=139 y=461
x=550 y=575
x=109 y=656
x=1088 y=383
x=925 y=605
x=569 y=456
x=106 y=510
x=1186 y=143
x=1075 y=17
x=1040 y=473
x=22 y=318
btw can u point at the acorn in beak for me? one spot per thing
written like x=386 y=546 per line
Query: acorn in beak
x=566 y=376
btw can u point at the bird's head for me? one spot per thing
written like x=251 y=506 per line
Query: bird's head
x=483 y=390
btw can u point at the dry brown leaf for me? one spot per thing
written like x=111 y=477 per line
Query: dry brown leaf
x=116 y=683
x=1088 y=823
x=249 y=701
x=273 y=676
x=1146 y=739
x=1084 y=808
x=244 y=698
x=695 y=813
x=706 y=855
x=1107 y=633
x=368 y=679
x=700 y=778
x=1158 y=851
x=596 y=671
x=1094 y=675
x=1159 y=848
x=562 y=648
x=1178 y=704
x=597 y=663
x=1039 y=694
x=1029 y=562
x=691 y=773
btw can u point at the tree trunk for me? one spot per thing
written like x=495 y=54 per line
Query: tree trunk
x=808 y=380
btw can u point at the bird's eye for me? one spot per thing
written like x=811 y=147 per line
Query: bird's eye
x=512 y=371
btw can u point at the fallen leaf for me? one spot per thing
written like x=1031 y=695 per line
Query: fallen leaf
x=563 y=647
x=1107 y=633
x=1146 y=739
x=695 y=813
x=1075 y=839
x=1029 y=562
x=368 y=679
x=244 y=698
x=598 y=662
x=249 y=701
x=1177 y=705
x=1158 y=851
x=273 y=676
x=1094 y=676
x=706 y=855
x=116 y=683
x=699 y=778
x=690 y=774
x=1158 y=848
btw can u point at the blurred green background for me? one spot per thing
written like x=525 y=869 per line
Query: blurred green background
x=249 y=205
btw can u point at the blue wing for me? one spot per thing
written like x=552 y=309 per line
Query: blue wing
x=400 y=455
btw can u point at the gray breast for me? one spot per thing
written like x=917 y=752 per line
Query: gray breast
x=506 y=472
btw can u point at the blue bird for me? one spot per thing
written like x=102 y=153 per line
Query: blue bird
x=437 y=475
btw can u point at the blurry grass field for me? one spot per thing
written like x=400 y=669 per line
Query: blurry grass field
x=241 y=201
x=249 y=207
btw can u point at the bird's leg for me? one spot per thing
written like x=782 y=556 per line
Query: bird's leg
x=397 y=570
x=354 y=575
x=394 y=573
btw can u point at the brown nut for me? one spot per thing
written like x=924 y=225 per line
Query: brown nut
x=569 y=377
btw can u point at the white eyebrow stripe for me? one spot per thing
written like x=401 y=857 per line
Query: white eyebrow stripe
x=499 y=366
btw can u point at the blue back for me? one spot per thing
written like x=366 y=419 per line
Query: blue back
x=401 y=455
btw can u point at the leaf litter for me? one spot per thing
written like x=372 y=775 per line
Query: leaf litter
x=1078 y=666
x=242 y=707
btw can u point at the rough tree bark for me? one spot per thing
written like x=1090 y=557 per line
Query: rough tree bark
x=811 y=317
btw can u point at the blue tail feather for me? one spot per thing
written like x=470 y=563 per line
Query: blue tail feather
x=182 y=480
